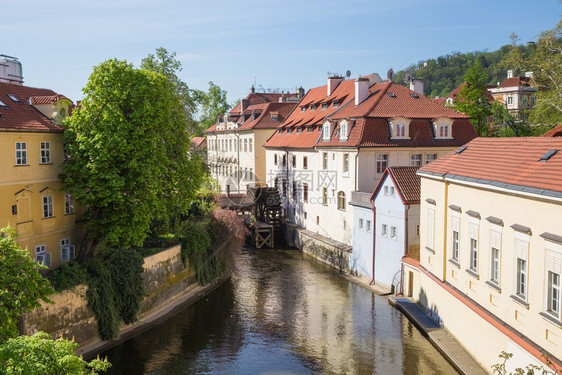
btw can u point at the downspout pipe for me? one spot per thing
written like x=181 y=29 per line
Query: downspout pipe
x=374 y=238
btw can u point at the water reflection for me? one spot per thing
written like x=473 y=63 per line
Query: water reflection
x=281 y=313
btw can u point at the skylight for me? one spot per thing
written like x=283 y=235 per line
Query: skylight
x=14 y=99
x=548 y=155
x=391 y=94
x=461 y=150
x=414 y=95
x=2 y=104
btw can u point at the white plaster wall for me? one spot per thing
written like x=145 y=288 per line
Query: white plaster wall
x=361 y=257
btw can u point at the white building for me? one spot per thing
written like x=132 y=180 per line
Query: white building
x=335 y=146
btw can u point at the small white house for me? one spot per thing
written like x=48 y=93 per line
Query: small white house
x=396 y=201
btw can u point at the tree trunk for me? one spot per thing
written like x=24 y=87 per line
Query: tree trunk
x=87 y=246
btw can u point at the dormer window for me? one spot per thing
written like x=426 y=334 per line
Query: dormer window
x=343 y=130
x=400 y=128
x=324 y=105
x=335 y=104
x=3 y=105
x=303 y=108
x=313 y=107
x=443 y=128
x=326 y=131
x=14 y=99
x=449 y=101
x=299 y=130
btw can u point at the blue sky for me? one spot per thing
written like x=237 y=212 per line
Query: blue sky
x=277 y=44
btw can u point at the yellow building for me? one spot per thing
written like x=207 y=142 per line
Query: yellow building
x=491 y=248
x=31 y=154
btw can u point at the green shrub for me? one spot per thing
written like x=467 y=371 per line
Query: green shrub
x=67 y=276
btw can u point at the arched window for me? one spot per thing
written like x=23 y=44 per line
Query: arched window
x=326 y=131
x=343 y=130
x=341 y=200
x=443 y=128
x=400 y=128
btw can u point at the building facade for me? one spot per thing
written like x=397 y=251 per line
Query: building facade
x=335 y=146
x=31 y=153
x=235 y=154
x=491 y=248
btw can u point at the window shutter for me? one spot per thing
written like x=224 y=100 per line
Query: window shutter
x=455 y=223
x=473 y=228
x=430 y=227
x=553 y=263
x=495 y=240
x=521 y=249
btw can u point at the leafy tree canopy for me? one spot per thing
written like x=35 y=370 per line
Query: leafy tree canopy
x=129 y=161
x=22 y=287
x=472 y=98
x=212 y=104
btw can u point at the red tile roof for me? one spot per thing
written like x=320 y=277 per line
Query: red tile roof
x=455 y=93
x=199 y=142
x=556 y=132
x=407 y=182
x=512 y=163
x=46 y=99
x=516 y=82
x=23 y=116
x=371 y=126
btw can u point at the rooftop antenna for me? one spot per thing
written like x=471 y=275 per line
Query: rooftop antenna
x=348 y=73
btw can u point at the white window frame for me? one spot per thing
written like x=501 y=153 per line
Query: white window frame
x=368 y=226
x=495 y=261
x=42 y=256
x=400 y=127
x=430 y=157
x=521 y=278
x=416 y=160
x=361 y=224
x=47 y=206
x=326 y=131
x=553 y=280
x=324 y=160
x=455 y=236
x=384 y=230
x=45 y=152
x=68 y=204
x=393 y=234
x=345 y=165
x=67 y=251
x=473 y=228
x=21 y=153
x=385 y=189
x=343 y=130
x=510 y=100
x=382 y=163
x=250 y=145
x=443 y=128
x=392 y=191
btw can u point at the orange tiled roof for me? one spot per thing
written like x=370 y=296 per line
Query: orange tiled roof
x=455 y=93
x=512 y=163
x=516 y=82
x=407 y=182
x=199 y=142
x=46 y=99
x=23 y=116
x=386 y=100
x=556 y=132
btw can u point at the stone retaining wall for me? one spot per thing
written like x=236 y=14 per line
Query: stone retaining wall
x=326 y=250
x=165 y=280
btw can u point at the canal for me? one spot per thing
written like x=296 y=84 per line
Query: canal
x=282 y=313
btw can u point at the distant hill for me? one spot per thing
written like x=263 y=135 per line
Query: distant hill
x=444 y=74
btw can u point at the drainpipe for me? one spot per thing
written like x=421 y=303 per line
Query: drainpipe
x=406 y=211
x=374 y=238
x=238 y=159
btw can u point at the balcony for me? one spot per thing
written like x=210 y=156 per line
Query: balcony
x=361 y=199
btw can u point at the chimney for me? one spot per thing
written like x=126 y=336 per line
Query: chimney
x=300 y=92
x=416 y=85
x=510 y=73
x=333 y=82
x=361 y=90
x=245 y=103
x=252 y=90
x=374 y=78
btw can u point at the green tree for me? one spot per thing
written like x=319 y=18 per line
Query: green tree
x=212 y=104
x=129 y=163
x=40 y=354
x=546 y=65
x=472 y=98
x=22 y=286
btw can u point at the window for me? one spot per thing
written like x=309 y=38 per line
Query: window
x=400 y=131
x=275 y=159
x=383 y=230
x=386 y=190
x=341 y=200
x=442 y=128
x=326 y=131
x=68 y=204
x=65 y=153
x=430 y=227
x=305 y=192
x=495 y=248
x=345 y=164
x=416 y=160
x=294 y=161
x=251 y=174
x=430 y=157
x=521 y=257
x=392 y=190
x=510 y=99
x=361 y=224
x=369 y=226
x=304 y=162
x=245 y=145
x=284 y=160
x=553 y=294
x=15 y=209
x=295 y=190
x=382 y=162
x=393 y=232
x=21 y=153
x=325 y=160
x=532 y=100
x=343 y=130
x=48 y=206
x=42 y=256
x=455 y=225
x=524 y=100
x=473 y=232
x=230 y=145
x=67 y=251
x=285 y=187
x=400 y=128
x=250 y=145
x=325 y=196
x=15 y=100
x=521 y=287
x=444 y=131
x=45 y=152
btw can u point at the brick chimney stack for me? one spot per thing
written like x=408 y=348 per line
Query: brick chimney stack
x=361 y=90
